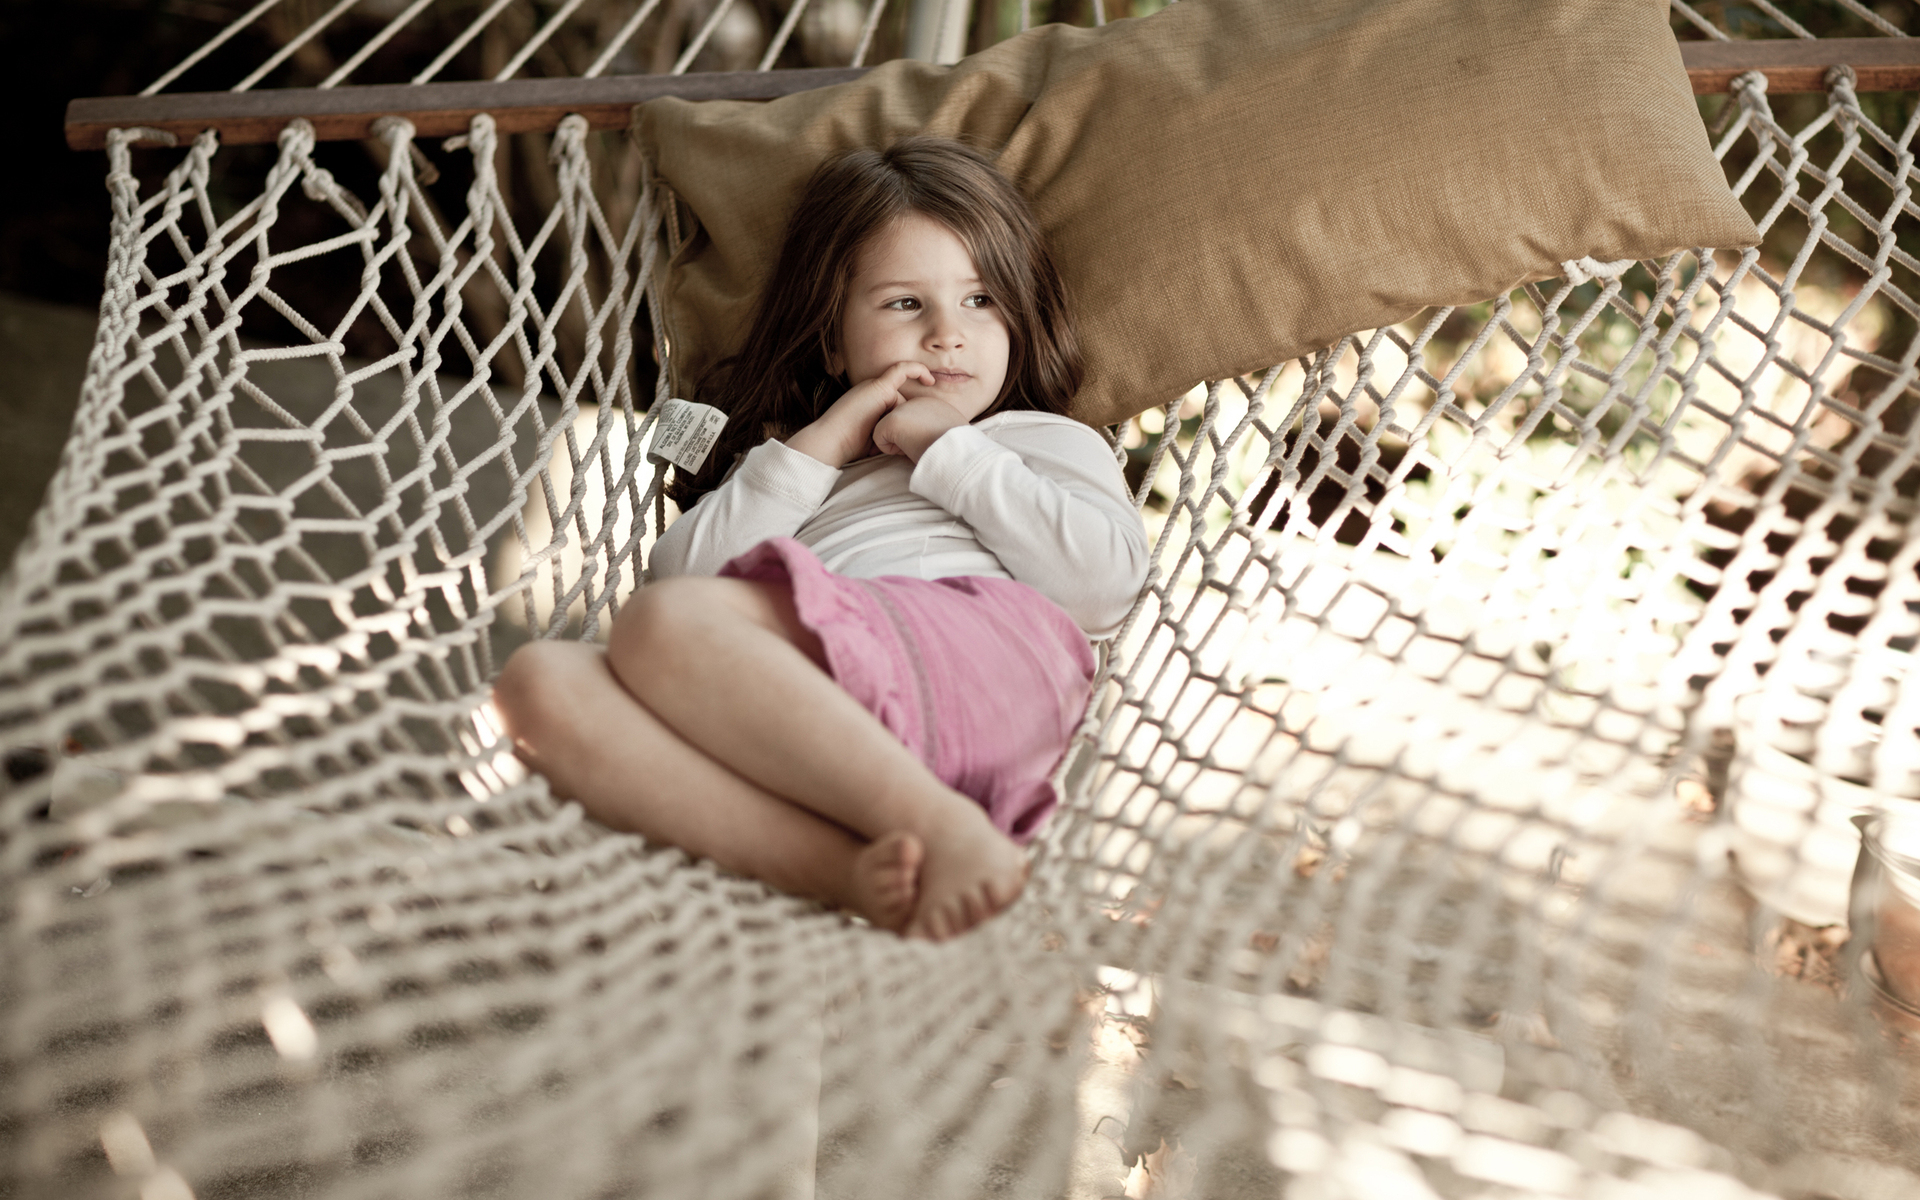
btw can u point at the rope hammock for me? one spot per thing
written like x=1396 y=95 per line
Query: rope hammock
x=1393 y=859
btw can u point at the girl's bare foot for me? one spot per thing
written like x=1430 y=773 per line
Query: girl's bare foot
x=972 y=871
x=886 y=878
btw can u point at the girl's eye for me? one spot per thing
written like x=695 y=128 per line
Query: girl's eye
x=903 y=304
x=978 y=300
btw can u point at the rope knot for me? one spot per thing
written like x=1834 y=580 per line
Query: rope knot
x=392 y=129
x=1840 y=82
x=1586 y=269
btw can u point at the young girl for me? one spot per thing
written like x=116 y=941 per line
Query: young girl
x=865 y=650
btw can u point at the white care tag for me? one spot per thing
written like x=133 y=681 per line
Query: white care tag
x=685 y=433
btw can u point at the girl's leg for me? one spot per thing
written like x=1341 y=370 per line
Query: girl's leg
x=596 y=744
x=727 y=665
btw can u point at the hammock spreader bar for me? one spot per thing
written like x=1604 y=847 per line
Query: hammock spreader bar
x=529 y=105
x=435 y=109
x=1880 y=64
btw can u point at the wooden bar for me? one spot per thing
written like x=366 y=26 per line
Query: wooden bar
x=436 y=109
x=521 y=105
x=1880 y=64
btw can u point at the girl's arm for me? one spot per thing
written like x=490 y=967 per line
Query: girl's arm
x=778 y=486
x=771 y=495
x=1044 y=494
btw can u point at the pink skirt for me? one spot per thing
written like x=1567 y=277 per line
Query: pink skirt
x=984 y=679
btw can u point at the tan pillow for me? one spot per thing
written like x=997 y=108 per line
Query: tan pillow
x=1232 y=183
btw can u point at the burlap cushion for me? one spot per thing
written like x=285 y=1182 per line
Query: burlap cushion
x=1231 y=183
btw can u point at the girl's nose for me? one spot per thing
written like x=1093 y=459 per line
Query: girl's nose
x=945 y=333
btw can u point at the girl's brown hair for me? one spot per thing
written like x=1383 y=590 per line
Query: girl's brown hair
x=779 y=382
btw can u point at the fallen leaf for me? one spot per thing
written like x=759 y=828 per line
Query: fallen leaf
x=1695 y=797
x=1305 y=973
x=1531 y=1026
x=1804 y=952
x=1135 y=911
x=1308 y=861
x=1164 y=1174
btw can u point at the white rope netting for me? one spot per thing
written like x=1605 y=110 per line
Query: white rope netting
x=1395 y=859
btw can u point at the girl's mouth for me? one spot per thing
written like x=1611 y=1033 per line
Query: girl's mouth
x=951 y=376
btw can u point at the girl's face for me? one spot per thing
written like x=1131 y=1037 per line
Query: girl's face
x=916 y=296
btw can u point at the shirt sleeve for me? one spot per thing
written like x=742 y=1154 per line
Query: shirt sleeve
x=1048 y=499
x=774 y=491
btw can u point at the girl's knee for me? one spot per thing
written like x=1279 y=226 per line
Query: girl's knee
x=647 y=614
x=538 y=677
x=659 y=615
x=674 y=615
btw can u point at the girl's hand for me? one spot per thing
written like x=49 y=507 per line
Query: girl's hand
x=913 y=426
x=845 y=431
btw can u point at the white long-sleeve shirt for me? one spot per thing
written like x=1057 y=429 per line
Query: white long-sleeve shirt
x=1019 y=495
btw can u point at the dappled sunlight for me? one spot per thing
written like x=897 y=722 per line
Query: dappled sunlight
x=595 y=550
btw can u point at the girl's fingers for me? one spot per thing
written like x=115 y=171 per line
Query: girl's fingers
x=918 y=372
x=898 y=374
x=883 y=441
